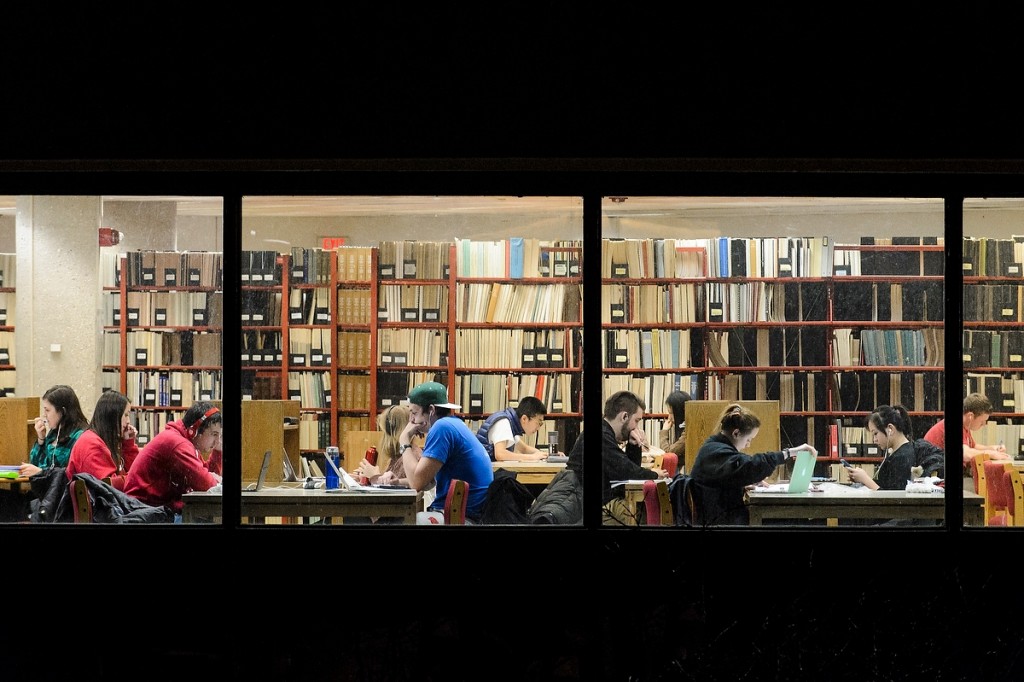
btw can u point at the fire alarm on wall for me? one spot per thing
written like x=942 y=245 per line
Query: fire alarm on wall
x=110 y=237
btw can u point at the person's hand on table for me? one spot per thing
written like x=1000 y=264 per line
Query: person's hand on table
x=388 y=478
x=25 y=470
x=999 y=453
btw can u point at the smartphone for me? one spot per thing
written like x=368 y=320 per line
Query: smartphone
x=845 y=463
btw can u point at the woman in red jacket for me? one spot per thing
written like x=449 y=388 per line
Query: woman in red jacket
x=107 y=448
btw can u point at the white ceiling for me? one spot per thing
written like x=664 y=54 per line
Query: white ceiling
x=325 y=206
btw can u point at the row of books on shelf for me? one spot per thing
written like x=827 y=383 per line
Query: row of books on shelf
x=166 y=308
x=260 y=307
x=8 y=383
x=261 y=347
x=992 y=257
x=518 y=303
x=170 y=269
x=309 y=266
x=150 y=423
x=260 y=268
x=309 y=346
x=770 y=302
x=8 y=269
x=518 y=348
x=7 y=308
x=393 y=387
x=768 y=347
x=413 y=260
x=171 y=389
x=412 y=303
x=653 y=348
x=164 y=348
x=314 y=431
x=518 y=257
x=397 y=347
x=313 y=390
x=654 y=388
x=993 y=303
x=355 y=263
x=990 y=348
x=309 y=306
x=7 y=348
x=487 y=393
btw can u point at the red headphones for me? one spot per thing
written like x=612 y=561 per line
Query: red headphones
x=194 y=429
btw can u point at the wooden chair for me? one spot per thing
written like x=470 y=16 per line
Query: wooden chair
x=455 y=503
x=657 y=505
x=978 y=472
x=81 y=505
x=1014 y=484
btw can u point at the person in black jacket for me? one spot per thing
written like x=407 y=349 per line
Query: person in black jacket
x=623 y=412
x=724 y=471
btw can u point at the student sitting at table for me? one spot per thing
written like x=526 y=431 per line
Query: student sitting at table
x=673 y=436
x=56 y=431
x=977 y=410
x=622 y=444
x=450 y=452
x=724 y=471
x=502 y=433
x=107 y=449
x=170 y=465
x=890 y=429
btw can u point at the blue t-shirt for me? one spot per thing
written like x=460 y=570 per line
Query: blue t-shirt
x=462 y=457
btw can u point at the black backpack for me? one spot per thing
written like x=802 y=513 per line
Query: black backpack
x=508 y=500
x=684 y=493
x=930 y=458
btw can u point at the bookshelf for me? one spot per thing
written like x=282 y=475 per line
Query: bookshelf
x=162 y=332
x=828 y=330
x=993 y=334
x=8 y=375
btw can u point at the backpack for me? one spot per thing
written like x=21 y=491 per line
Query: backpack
x=930 y=458
x=684 y=493
x=508 y=500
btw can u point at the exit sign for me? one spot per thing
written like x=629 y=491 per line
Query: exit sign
x=332 y=242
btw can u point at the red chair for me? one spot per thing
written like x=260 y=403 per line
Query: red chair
x=669 y=462
x=997 y=496
x=657 y=505
x=455 y=503
x=1014 y=485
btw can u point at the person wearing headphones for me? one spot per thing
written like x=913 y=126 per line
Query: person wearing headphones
x=172 y=464
x=107 y=449
x=890 y=430
x=57 y=430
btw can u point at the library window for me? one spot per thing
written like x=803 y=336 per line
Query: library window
x=811 y=314
x=120 y=302
x=349 y=303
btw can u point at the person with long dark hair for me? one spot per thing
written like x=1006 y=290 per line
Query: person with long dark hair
x=107 y=448
x=673 y=436
x=890 y=430
x=57 y=430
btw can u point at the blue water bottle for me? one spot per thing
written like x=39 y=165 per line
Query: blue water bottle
x=331 y=474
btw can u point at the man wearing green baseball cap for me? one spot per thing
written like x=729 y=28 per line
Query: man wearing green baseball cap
x=451 y=451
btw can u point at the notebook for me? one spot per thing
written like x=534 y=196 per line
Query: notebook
x=800 y=481
x=258 y=485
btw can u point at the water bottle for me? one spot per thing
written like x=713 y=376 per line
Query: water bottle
x=371 y=457
x=330 y=475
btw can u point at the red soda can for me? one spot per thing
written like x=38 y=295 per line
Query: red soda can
x=371 y=457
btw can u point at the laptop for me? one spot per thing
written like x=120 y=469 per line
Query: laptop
x=258 y=485
x=347 y=483
x=800 y=481
x=289 y=470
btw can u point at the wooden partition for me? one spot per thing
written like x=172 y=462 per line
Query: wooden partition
x=354 y=447
x=703 y=416
x=264 y=428
x=17 y=434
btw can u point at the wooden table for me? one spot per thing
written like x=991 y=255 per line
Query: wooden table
x=529 y=473
x=296 y=502
x=16 y=485
x=837 y=501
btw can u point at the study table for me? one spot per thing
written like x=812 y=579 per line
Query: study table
x=16 y=485
x=838 y=501
x=290 y=500
x=529 y=473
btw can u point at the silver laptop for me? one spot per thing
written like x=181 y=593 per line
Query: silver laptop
x=289 y=470
x=258 y=485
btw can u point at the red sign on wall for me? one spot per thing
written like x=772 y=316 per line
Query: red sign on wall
x=332 y=242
